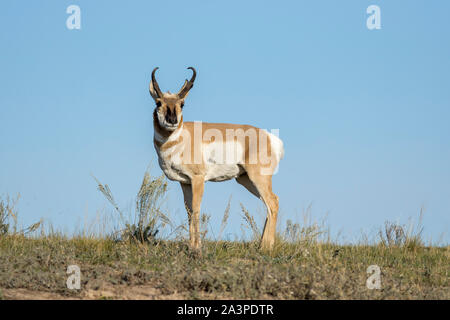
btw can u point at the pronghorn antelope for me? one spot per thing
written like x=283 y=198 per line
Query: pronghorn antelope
x=195 y=152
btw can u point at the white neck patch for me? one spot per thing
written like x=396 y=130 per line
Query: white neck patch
x=172 y=137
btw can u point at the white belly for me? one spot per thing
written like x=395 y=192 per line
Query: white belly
x=222 y=172
x=222 y=161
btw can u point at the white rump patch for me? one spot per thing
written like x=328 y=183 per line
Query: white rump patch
x=277 y=146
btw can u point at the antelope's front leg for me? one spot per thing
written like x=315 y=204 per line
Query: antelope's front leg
x=193 y=194
x=198 y=186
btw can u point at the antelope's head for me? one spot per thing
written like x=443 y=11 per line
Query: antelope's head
x=169 y=106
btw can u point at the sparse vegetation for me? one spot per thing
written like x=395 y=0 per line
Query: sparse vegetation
x=147 y=211
x=395 y=234
x=137 y=262
x=7 y=213
x=9 y=218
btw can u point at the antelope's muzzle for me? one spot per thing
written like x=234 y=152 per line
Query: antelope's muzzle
x=171 y=116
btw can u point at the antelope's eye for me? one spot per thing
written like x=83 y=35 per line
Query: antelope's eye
x=182 y=105
x=158 y=104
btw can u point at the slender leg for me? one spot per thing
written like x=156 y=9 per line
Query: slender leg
x=263 y=184
x=193 y=194
x=187 y=193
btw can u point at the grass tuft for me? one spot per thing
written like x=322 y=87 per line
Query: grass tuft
x=149 y=218
x=398 y=235
x=8 y=215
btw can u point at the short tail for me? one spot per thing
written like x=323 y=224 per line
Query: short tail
x=277 y=146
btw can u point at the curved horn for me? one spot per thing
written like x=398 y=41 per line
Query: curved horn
x=188 y=84
x=194 y=75
x=155 y=83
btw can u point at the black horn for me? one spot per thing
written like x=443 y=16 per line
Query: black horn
x=155 y=83
x=188 y=84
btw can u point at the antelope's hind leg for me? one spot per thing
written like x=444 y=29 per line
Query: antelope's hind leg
x=248 y=184
x=263 y=186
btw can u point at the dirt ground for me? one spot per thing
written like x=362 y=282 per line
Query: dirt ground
x=117 y=292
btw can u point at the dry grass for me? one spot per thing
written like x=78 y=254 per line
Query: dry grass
x=304 y=264
x=226 y=269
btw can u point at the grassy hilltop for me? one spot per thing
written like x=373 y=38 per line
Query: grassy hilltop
x=136 y=263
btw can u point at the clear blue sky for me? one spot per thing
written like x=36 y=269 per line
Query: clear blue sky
x=364 y=115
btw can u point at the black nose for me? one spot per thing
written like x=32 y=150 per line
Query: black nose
x=171 y=117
